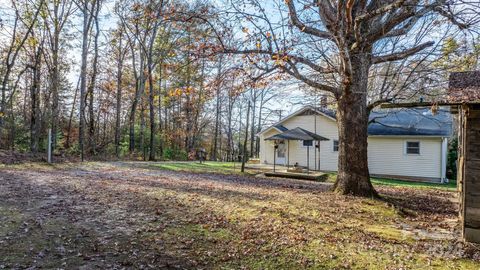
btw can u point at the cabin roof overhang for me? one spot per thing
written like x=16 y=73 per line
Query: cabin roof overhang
x=297 y=134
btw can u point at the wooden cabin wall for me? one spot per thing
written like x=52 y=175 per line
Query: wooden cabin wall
x=469 y=171
x=461 y=165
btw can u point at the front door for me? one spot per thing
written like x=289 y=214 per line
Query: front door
x=281 y=153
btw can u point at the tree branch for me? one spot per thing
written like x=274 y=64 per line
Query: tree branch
x=380 y=11
x=295 y=73
x=297 y=59
x=401 y=55
x=304 y=28
x=376 y=103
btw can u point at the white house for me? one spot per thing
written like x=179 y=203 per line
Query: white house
x=402 y=143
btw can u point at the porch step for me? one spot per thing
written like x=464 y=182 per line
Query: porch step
x=297 y=170
x=302 y=176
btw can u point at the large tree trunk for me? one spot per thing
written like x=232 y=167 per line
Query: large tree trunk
x=352 y=120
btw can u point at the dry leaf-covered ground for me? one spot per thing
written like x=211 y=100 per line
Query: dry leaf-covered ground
x=120 y=215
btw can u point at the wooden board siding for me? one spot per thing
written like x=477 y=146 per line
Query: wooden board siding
x=470 y=174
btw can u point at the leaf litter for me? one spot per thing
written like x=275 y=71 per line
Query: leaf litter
x=122 y=216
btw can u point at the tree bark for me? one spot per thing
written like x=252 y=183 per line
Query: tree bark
x=142 y=131
x=352 y=120
x=90 y=93
x=252 y=128
x=259 y=124
x=160 y=144
x=87 y=20
x=70 y=118
x=151 y=96
x=217 y=109
x=35 y=102
x=119 y=95
x=245 y=140
x=55 y=77
x=140 y=86
x=229 y=133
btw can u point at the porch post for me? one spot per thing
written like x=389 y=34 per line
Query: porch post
x=274 y=156
x=288 y=154
x=319 y=156
x=308 y=158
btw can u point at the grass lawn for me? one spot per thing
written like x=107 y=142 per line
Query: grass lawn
x=230 y=167
x=205 y=167
x=129 y=215
x=450 y=186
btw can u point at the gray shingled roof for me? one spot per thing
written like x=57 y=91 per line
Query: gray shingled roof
x=298 y=134
x=410 y=122
x=281 y=127
x=403 y=122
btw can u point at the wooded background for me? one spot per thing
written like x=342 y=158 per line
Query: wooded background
x=149 y=79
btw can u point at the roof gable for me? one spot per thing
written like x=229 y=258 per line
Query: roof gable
x=298 y=134
x=307 y=110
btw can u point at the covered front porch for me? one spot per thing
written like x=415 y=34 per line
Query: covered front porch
x=294 y=150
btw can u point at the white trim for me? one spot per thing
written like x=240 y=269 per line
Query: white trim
x=405 y=143
x=409 y=136
x=444 y=157
x=305 y=146
x=333 y=145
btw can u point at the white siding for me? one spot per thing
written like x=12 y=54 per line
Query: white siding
x=386 y=155
x=296 y=151
x=266 y=147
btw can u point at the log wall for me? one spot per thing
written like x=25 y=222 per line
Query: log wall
x=469 y=172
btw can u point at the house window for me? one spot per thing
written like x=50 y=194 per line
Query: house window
x=308 y=143
x=412 y=148
x=335 y=145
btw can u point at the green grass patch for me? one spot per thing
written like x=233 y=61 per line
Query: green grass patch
x=450 y=186
x=388 y=232
x=205 y=167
